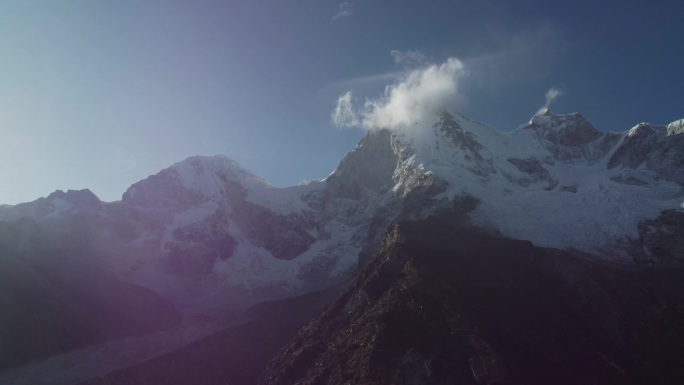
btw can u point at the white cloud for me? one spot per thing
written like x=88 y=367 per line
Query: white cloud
x=409 y=58
x=344 y=114
x=344 y=10
x=551 y=95
x=412 y=100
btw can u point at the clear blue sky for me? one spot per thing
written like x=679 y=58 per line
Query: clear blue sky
x=100 y=94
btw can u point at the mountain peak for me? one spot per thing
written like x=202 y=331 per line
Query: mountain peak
x=75 y=196
x=196 y=169
x=676 y=127
x=567 y=130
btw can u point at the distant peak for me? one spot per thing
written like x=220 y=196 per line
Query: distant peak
x=545 y=111
x=676 y=127
x=74 y=196
x=568 y=130
x=447 y=123
x=641 y=130
x=195 y=169
x=548 y=119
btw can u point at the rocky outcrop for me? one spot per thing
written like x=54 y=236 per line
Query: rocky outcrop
x=572 y=137
x=535 y=171
x=205 y=229
x=450 y=132
x=370 y=166
x=448 y=126
x=661 y=239
x=443 y=303
x=572 y=130
x=656 y=148
x=56 y=205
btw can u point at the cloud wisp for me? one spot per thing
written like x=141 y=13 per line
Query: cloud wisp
x=411 y=100
x=344 y=114
x=345 y=9
x=551 y=95
x=516 y=57
x=408 y=58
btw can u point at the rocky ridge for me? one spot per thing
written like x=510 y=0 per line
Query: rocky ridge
x=207 y=235
x=208 y=217
x=443 y=303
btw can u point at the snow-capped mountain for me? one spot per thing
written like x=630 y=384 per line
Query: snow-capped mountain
x=207 y=228
x=209 y=236
x=556 y=181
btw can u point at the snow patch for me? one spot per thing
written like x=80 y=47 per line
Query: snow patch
x=600 y=213
x=676 y=127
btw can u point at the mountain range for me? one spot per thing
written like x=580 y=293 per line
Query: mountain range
x=583 y=213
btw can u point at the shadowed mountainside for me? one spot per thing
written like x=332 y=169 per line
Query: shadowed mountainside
x=442 y=303
x=234 y=356
x=51 y=302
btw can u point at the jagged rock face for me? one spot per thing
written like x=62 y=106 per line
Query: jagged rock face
x=285 y=236
x=369 y=167
x=661 y=238
x=572 y=130
x=156 y=199
x=556 y=181
x=57 y=204
x=196 y=221
x=656 y=148
x=443 y=303
x=536 y=171
x=205 y=229
x=639 y=144
x=449 y=127
x=571 y=137
x=450 y=131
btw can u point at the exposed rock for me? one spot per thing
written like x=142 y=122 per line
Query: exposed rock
x=656 y=148
x=284 y=236
x=536 y=171
x=442 y=303
x=662 y=239
x=571 y=132
x=449 y=127
x=189 y=259
x=629 y=180
x=370 y=166
x=571 y=137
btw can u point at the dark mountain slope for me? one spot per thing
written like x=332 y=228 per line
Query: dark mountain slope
x=234 y=356
x=443 y=303
x=50 y=302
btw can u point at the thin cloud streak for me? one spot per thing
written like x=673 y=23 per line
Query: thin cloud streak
x=365 y=81
x=345 y=9
x=408 y=58
x=522 y=56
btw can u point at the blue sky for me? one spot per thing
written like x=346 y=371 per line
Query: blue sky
x=101 y=94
